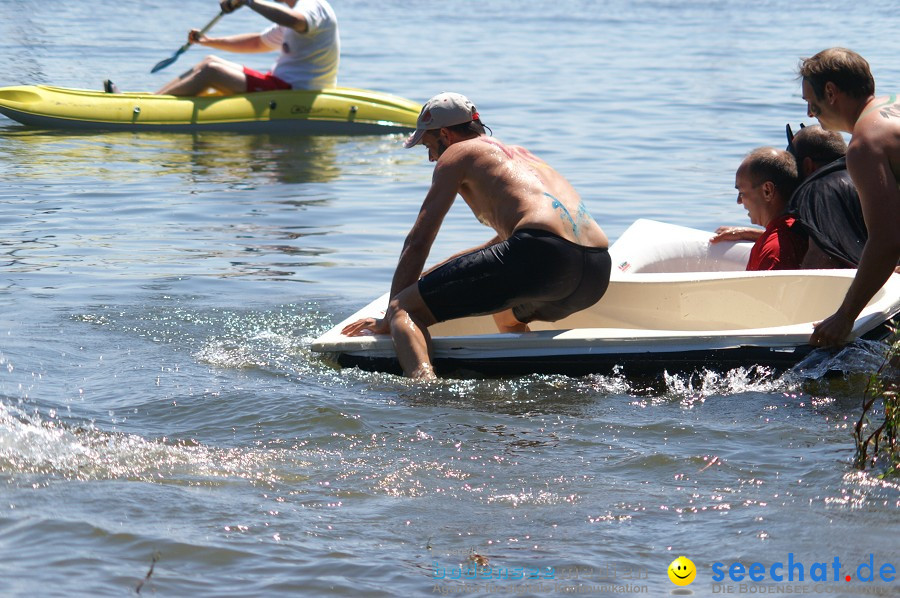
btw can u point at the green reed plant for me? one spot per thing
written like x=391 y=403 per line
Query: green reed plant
x=876 y=432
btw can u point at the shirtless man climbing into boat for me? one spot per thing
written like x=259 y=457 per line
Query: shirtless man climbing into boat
x=547 y=260
x=839 y=90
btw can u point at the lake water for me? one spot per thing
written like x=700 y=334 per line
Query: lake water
x=159 y=401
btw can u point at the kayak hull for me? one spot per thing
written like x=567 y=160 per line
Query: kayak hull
x=340 y=111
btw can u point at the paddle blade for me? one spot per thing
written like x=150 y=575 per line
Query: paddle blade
x=164 y=63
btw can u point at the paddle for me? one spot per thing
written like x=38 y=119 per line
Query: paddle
x=164 y=63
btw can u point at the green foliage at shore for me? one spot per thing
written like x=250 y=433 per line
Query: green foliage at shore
x=876 y=432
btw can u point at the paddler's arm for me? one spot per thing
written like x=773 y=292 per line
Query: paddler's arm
x=879 y=196
x=241 y=43
x=277 y=13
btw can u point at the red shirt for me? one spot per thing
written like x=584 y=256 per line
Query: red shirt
x=781 y=247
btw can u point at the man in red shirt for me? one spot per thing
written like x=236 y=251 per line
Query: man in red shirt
x=765 y=181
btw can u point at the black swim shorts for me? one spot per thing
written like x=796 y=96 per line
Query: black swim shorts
x=538 y=274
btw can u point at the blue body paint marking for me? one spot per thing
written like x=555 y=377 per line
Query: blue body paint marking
x=558 y=204
x=582 y=213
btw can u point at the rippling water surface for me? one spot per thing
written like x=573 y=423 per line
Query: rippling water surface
x=160 y=406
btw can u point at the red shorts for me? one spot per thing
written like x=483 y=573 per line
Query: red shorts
x=257 y=81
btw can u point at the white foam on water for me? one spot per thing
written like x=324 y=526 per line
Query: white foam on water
x=32 y=443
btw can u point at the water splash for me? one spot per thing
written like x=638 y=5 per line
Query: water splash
x=697 y=386
x=860 y=356
x=45 y=445
x=274 y=339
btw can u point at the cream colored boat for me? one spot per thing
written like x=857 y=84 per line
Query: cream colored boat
x=662 y=312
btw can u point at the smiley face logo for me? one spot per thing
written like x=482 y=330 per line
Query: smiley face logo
x=682 y=571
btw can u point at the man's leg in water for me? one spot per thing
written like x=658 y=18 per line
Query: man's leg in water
x=409 y=330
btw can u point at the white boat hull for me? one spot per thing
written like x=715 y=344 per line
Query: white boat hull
x=646 y=322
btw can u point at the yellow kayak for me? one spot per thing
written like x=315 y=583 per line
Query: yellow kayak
x=339 y=111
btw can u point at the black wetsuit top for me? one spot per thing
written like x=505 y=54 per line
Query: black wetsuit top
x=827 y=209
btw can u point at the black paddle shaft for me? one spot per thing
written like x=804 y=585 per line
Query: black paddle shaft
x=164 y=63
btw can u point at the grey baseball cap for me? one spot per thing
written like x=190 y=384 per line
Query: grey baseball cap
x=443 y=110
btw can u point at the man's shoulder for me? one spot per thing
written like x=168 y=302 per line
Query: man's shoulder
x=867 y=142
x=483 y=143
x=320 y=11
x=460 y=155
x=780 y=223
x=474 y=147
x=833 y=171
x=314 y=4
x=830 y=185
x=495 y=147
x=878 y=125
x=886 y=107
x=872 y=145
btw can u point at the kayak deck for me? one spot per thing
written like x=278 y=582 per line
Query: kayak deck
x=339 y=111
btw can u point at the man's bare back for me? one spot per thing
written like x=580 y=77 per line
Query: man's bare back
x=508 y=188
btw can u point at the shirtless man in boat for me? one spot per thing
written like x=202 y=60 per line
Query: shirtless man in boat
x=839 y=90
x=306 y=33
x=547 y=260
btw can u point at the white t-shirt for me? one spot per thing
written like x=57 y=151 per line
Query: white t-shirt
x=308 y=60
